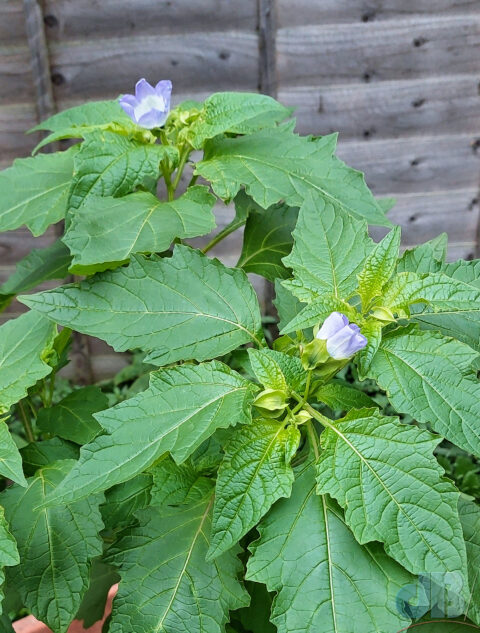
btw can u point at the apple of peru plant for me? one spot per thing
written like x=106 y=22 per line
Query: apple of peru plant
x=231 y=478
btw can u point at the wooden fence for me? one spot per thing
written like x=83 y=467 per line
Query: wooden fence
x=399 y=79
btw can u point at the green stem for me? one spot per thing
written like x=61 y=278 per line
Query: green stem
x=228 y=230
x=324 y=421
x=168 y=181
x=193 y=180
x=313 y=439
x=181 y=165
x=305 y=393
x=26 y=423
x=51 y=388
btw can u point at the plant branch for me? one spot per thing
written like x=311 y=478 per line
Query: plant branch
x=313 y=439
x=168 y=181
x=181 y=165
x=26 y=423
x=228 y=230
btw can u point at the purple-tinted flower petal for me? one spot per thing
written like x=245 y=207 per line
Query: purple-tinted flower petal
x=345 y=343
x=332 y=324
x=164 y=88
x=143 y=89
x=130 y=99
x=127 y=103
x=152 y=119
x=150 y=106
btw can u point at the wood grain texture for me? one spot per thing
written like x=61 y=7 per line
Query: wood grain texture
x=39 y=59
x=12 y=27
x=14 y=121
x=423 y=216
x=74 y=19
x=416 y=164
x=388 y=109
x=372 y=51
x=16 y=244
x=15 y=74
x=303 y=12
x=92 y=68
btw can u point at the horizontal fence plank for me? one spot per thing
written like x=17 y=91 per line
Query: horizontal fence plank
x=91 y=69
x=15 y=120
x=415 y=164
x=67 y=19
x=15 y=74
x=12 y=22
x=303 y=12
x=397 y=49
x=423 y=216
x=437 y=105
x=16 y=244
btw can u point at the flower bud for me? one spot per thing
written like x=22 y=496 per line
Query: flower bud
x=343 y=339
x=149 y=106
x=271 y=402
x=383 y=314
x=302 y=416
x=314 y=354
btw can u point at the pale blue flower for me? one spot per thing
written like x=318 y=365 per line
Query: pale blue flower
x=149 y=107
x=343 y=338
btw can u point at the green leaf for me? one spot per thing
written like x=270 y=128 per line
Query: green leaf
x=111 y=229
x=38 y=454
x=425 y=258
x=317 y=311
x=182 y=407
x=256 y=617
x=85 y=115
x=41 y=264
x=255 y=473
x=210 y=312
x=276 y=370
x=72 y=418
x=10 y=459
x=25 y=343
x=267 y=239
x=124 y=500
x=464 y=326
x=286 y=304
x=470 y=517
x=8 y=552
x=325 y=580
x=109 y=164
x=102 y=578
x=35 y=191
x=386 y=477
x=329 y=249
x=56 y=547
x=339 y=395
x=378 y=267
x=178 y=484
x=83 y=119
x=235 y=112
x=431 y=378
x=372 y=330
x=440 y=292
x=303 y=166
x=166 y=581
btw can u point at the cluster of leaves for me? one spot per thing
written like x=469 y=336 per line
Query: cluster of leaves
x=230 y=487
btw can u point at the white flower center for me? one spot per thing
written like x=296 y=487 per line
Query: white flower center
x=152 y=102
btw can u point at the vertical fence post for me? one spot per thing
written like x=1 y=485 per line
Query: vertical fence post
x=46 y=106
x=267 y=31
